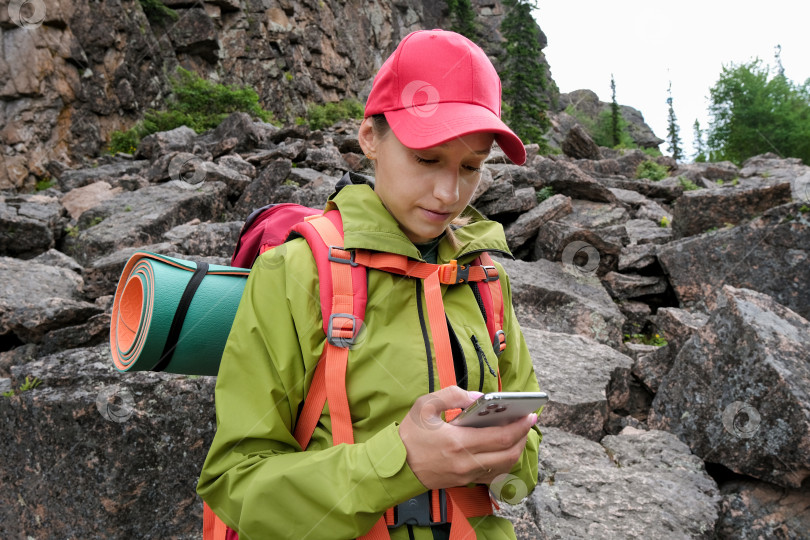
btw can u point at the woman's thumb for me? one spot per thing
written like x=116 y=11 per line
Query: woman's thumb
x=454 y=397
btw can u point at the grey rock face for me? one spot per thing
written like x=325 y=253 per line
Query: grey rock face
x=698 y=211
x=593 y=490
x=548 y=296
x=737 y=391
x=752 y=509
x=768 y=254
x=558 y=360
x=92 y=429
x=36 y=298
x=29 y=224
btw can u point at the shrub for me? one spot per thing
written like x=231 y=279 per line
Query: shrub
x=194 y=102
x=651 y=170
x=544 y=193
x=687 y=184
x=322 y=116
x=158 y=13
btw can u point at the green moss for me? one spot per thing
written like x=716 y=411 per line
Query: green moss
x=651 y=170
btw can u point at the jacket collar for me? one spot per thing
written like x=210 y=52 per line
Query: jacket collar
x=367 y=224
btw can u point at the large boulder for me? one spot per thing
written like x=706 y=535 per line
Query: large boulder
x=560 y=298
x=93 y=453
x=29 y=224
x=753 y=509
x=37 y=298
x=769 y=254
x=637 y=484
x=559 y=359
x=697 y=211
x=737 y=391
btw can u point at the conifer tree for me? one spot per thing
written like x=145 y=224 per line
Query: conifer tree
x=462 y=17
x=615 y=129
x=700 y=147
x=523 y=74
x=672 y=129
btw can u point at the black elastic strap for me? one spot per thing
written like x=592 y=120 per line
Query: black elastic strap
x=180 y=316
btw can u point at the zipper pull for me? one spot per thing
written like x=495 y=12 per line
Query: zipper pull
x=481 y=356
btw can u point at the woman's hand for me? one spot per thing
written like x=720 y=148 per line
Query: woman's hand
x=442 y=455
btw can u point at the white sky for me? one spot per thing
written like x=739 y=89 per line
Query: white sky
x=647 y=43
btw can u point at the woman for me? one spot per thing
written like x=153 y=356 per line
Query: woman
x=431 y=119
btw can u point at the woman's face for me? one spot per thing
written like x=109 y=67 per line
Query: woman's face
x=425 y=189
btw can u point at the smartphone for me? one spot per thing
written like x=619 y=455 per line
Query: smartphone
x=500 y=408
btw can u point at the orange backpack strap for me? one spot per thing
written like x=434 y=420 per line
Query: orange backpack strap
x=213 y=527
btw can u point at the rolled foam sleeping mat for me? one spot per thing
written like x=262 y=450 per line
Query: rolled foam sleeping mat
x=173 y=315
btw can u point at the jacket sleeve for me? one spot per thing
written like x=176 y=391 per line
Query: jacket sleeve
x=255 y=477
x=517 y=374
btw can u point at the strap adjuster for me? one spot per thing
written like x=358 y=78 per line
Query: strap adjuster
x=336 y=335
x=341 y=259
x=491 y=273
x=417 y=511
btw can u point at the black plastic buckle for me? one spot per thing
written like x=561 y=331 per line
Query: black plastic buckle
x=343 y=260
x=339 y=341
x=463 y=273
x=416 y=511
x=490 y=278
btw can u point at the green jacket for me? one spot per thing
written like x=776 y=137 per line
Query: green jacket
x=255 y=478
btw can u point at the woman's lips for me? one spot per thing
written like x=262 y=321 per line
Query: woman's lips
x=435 y=216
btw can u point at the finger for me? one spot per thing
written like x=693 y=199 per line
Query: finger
x=496 y=438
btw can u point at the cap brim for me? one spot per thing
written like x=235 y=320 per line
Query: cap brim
x=434 y=124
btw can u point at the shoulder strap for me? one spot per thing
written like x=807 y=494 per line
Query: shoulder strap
x=343 y=290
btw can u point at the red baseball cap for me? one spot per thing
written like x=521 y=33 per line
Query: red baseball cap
x=437 y=86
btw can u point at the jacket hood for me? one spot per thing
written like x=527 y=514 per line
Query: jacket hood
x=367 y=224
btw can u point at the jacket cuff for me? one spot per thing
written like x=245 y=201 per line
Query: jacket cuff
x=387 y=455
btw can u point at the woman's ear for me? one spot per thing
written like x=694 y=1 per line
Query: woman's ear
x=367 y=137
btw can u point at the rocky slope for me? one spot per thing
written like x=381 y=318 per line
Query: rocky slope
x=707 y=436
x=73 y=71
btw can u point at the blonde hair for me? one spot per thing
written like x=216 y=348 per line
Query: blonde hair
x=382 y=128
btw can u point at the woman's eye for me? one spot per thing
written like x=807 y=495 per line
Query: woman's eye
x=472 y=168
x=424 y=160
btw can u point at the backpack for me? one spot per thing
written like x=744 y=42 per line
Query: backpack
x=343 y=294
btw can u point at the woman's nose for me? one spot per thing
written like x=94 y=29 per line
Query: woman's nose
x=446 y=187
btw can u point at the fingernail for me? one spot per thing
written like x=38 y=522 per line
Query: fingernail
x=534 y=418
x=474 y=395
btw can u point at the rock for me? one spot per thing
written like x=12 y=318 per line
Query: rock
x=517 y=175
x=697 y=211
x=76 y=201
x=142 y=217
x=650 y=368
x=769 y=254
x=752 y=509
x=37 y=298
x=677 y=325
x=248 y=135
x=645 y=231
x=528 y=223
x=637 y=256
x=179 y=139
x=235 y=181
x=261 y=190
x=666 y=190
x=721 y=170
x=503 y=199
x=547 y=296
x=637 y=315
x=236 y=163
x=579 y=145
x=195 y=239
x=567 y=179
x=638 y=484
x=583 y=250
x=53 y=257
x=29 y=224
x=624 y=286
x=102 y=275
x=88 y=412
x=770 y=168
x=109 y=172
x=737 y=391
x=195 y=33
x=558 y=359
x=327 y=159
